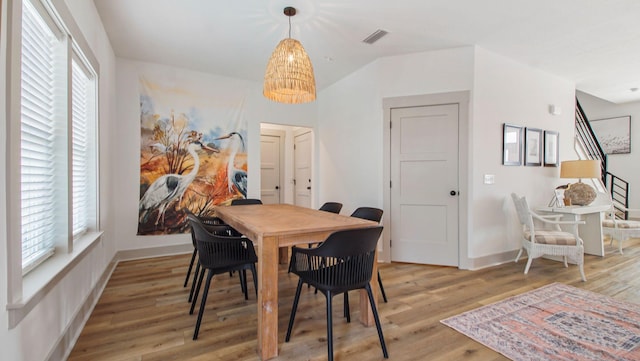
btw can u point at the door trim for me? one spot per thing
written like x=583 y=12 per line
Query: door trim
x=312 y=159
x=462 y=99
x=281 y=134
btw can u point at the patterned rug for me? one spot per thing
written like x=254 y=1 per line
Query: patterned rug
x=555 y=322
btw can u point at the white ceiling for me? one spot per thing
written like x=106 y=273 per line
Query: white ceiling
x=594 y=43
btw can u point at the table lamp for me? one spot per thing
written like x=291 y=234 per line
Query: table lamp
x=580 y=194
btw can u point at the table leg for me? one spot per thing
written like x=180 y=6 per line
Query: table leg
x=268 y=298
x=366 y=317
x=591 y=234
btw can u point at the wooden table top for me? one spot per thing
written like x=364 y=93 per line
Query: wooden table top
x=285 y=219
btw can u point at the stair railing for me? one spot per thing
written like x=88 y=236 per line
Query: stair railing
x=589 y=141
x=616 y=186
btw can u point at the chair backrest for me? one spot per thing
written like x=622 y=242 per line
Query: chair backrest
x=524 y=213
x=350 y=242
x=333 y=207
x=344 y=261
x=245 y=201
x=368 y=213
x=220 y=252
x=213 y=225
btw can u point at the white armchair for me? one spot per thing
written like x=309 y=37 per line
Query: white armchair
x=620 y=229
x=551 y=241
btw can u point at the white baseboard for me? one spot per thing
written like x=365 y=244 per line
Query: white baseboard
x=492 y=260
x=142 y=253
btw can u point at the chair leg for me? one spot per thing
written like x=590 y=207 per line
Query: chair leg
x=526 y=269
x=346 y=311
x=193 y=284
x=518 y=256
x=193 y=258
x=620 y=239
x=620 y=247
x=329 y=326
x=384 y=295
x=202 y=304
x=243 y=283
x=580 y=262
x=374 y=310
x=293 y=310
x=584 y=278
x=195 y=295
x=255 y=279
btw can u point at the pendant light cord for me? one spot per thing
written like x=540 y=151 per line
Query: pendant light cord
x=289 y=27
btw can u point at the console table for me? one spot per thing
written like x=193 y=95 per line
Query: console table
x=591 y=231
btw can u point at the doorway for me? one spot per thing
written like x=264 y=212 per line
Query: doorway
x=426 y=171
x=278 y=144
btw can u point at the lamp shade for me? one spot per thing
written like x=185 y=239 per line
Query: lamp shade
x=580 y=194
x=289 y=76
x=580 y=169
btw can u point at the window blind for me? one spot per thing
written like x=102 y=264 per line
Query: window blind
x=80 y=149
x=37 y=139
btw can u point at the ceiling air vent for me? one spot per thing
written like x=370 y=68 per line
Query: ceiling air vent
x=375 y=36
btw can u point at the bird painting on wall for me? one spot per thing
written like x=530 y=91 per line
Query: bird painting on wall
x=171 y=187
x=235 y=176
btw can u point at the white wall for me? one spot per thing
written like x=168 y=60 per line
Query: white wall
x=48 y=329
x=127 y=131
x=350 y=119
x=624 y=166
x=350 y=122
x=509 y=92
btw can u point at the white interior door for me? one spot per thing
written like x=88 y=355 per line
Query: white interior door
x=424 y=184
x=302 y=169
x=271 y=154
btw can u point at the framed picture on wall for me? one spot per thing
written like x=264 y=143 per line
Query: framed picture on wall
x=511 y=144
x=533 y=147
x=614 y=134
x=551 y=148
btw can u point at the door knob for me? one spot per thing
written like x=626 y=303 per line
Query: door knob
x=308 y=187
x=277 y=187
x=453 y=193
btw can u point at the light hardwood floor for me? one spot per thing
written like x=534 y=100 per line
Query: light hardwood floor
x=143 y=312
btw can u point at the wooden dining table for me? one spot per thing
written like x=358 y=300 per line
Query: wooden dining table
x=274 y=226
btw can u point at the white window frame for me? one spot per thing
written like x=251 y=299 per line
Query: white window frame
x=24 y=292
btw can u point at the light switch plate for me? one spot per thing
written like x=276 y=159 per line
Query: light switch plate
x=489 y=178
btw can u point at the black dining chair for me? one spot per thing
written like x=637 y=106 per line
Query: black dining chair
x=214 y=225
x=343 y=262
x=333 y=207
x=245 y=201
x=220 y=254
x=375 y=215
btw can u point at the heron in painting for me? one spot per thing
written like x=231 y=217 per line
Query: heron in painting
x=170 y=187
x=235 y=177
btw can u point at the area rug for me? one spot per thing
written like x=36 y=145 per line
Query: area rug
x=555 y=322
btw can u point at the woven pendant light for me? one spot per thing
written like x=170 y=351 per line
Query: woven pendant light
x=289 y=77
